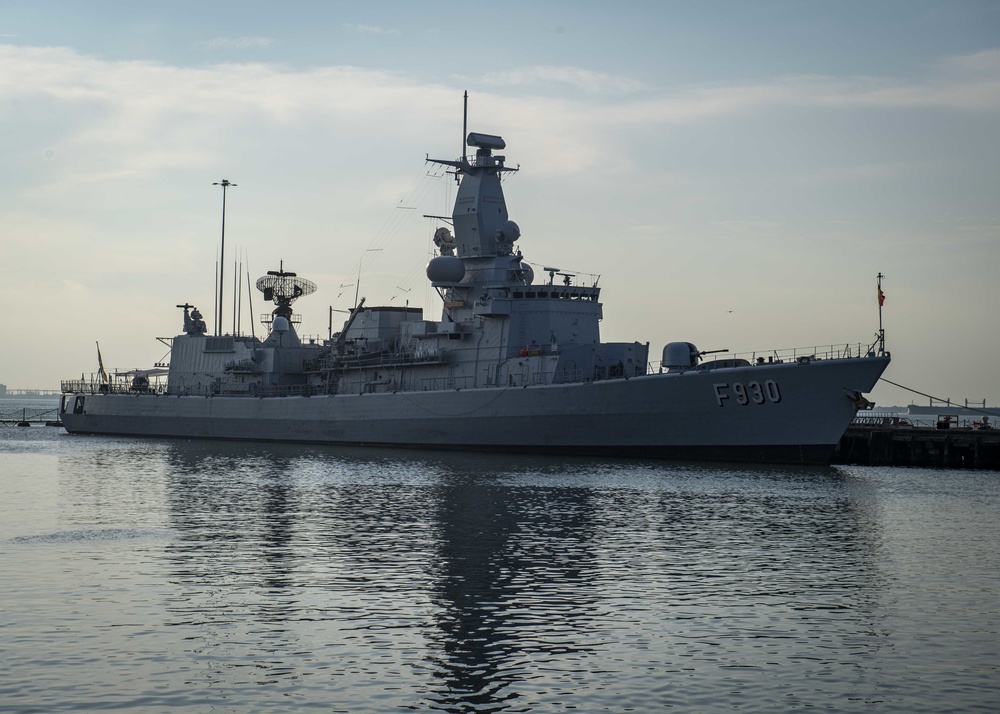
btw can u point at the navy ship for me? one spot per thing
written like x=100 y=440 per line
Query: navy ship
x=514 y=363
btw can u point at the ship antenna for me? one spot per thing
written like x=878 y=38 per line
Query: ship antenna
x=253 y=331
x=357 y=285
x=236 y=291
x=239 y=301
x=465 y=130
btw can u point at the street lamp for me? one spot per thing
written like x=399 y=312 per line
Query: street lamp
x=222 y=253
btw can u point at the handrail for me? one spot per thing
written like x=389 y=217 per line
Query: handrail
x=842 y=350
x=251 y=390
x=899 y=421
x=80 y=386
x=433 y=384
x=375 y=360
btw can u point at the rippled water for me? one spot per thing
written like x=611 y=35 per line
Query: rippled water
x=165 y=575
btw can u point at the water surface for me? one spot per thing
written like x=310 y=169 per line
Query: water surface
x=152 y=575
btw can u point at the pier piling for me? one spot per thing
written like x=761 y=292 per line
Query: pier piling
x=874 y=445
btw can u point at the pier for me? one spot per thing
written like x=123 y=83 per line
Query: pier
x=30 y=417
x=896 y=442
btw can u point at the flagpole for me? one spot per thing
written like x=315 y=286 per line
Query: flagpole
x=881 y=331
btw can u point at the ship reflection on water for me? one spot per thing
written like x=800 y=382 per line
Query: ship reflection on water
x=463 y=583
x=515 y=589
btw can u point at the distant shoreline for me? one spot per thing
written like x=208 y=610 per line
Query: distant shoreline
x=28 y=395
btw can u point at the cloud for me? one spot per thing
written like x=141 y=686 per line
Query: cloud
x=970 y=90
x=582 y=79
x=371 y=29
x=964 y=83
x=968 y=83
x=239 y=43
x=985 y=62
x=116 y=107
x=964 y=92
x=135 y=118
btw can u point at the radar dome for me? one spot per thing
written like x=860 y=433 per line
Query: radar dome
x=280 y=324
x=509 y=231
x=527 y=273
x=445 y=269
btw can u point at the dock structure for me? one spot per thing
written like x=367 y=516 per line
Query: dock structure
x=30 y=417
x=900 y=444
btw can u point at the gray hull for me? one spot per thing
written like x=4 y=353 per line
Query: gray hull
x=772 y=413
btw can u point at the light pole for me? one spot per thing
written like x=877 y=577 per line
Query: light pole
x=222 y=253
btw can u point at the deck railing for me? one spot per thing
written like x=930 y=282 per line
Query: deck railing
x=250 y=390
x=838 y=351
x=792 y=354
x=908 y=421
x=90 y=386
x=433 y=384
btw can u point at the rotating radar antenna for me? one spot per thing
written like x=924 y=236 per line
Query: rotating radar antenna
x=283 y=288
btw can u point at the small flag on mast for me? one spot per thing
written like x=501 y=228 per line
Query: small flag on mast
x=881 y=297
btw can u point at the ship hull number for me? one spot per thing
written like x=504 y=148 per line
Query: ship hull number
x=749 y=393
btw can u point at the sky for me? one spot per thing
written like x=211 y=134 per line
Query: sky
x=737 y=173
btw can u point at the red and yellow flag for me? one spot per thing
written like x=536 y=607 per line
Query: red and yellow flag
x=881 y=297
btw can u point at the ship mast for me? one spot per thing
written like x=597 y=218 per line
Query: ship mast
x=222 y=254
x=881 y=331
x=465 y=132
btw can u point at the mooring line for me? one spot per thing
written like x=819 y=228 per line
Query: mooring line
x=937 y=399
